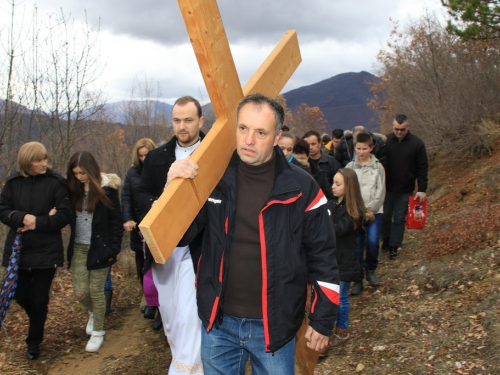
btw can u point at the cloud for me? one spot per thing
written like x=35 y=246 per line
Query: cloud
x=257 y=20
x=148 y=38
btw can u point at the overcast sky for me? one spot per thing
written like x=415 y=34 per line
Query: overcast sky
x=148 y=38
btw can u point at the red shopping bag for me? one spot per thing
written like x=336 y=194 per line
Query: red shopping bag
x=417 y=213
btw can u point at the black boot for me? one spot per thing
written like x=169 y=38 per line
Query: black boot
x=150 y=312
x=157 y=323
x=33 y=351
x=394 y=252
x=108 y=294
x=385 y=245
x=372 y=279
x=357 y=288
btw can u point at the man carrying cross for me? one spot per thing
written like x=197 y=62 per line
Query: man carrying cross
x=175 y=279
x=266 y=236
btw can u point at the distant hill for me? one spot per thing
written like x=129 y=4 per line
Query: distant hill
x=341 y=98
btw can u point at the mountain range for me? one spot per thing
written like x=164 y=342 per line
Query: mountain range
x=342 y=99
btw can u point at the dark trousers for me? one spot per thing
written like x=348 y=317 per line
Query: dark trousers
x=32 y=294
x=139 y=264
x=394 y=217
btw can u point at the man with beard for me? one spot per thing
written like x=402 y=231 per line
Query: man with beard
x=175 y=280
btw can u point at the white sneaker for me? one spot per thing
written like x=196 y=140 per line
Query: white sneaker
x=90 y=324
x=95 y=341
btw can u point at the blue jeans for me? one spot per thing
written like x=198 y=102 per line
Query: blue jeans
x=395 y=207
x=369 y=239
x=343 y=316
x=109 y=285
x=225 y=350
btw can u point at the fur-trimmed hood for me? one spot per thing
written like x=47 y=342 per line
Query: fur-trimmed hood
x=111 y=179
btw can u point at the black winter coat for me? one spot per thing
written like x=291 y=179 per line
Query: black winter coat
x=107 y=230
x=151 y=186
x=130 y=185
x=344 y=153
x=346 y=240
x=407 y=162
x=297 y=247
x=328 y=164
x=319 y=176
x=36 y=195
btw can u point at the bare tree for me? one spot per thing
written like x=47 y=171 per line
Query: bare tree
x=67 y=92
x=449 y=88
x=48 y=77
x=144 y=113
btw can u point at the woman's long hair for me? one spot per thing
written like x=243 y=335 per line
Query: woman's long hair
x=88 y=164
x=355 y=206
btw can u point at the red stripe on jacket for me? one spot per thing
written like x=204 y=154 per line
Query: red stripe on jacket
x=263 y=254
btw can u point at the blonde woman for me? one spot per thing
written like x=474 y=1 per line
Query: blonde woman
x=35 y=201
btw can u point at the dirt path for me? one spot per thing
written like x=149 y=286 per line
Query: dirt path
x=120 y=346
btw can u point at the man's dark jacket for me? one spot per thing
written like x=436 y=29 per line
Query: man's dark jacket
x=36 y=195
x=328 y=165
x=151 y=186
x=344 y=152
x=297 y=247
x=318 y=175
x=406 y=161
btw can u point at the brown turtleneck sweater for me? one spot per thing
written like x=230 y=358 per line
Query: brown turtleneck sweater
x=243 y=297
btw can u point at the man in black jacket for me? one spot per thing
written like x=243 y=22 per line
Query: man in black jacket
x=317 y=156
x=175 y=279
x=406 y=162
x=267 y=234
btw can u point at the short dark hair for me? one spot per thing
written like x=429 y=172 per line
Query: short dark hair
x=401 y=119
x=259 y=99
x=285 y=128
x=325 y=138
x=188 y=99
x=301 y=147
x=337 y=133
x=312 y=132
x=364 y=138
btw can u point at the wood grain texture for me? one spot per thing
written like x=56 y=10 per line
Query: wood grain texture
x=171 y=215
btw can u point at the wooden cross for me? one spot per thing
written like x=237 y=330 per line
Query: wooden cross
x=173 y=213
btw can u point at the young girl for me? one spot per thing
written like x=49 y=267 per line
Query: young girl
x=95 y=237
x=348 y=214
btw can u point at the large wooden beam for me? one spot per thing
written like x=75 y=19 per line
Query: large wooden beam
x=171 y=215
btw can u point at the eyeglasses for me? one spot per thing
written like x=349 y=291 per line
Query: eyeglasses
x=400 y=129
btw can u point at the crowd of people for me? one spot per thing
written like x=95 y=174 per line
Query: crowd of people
x=292 y=216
